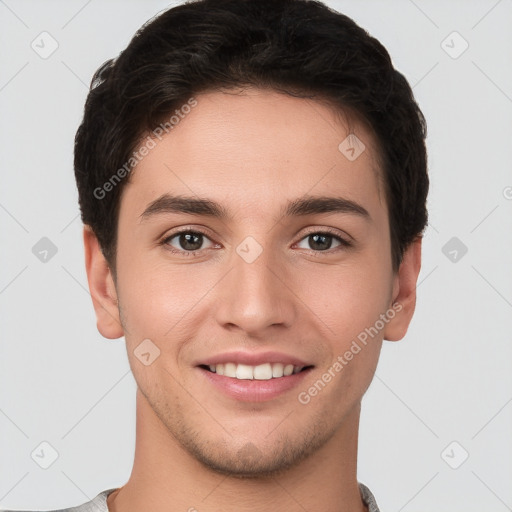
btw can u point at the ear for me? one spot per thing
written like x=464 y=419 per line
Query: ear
x=102 y=288
x=404 y=292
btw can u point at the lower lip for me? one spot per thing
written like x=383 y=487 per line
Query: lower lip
x=254 y=390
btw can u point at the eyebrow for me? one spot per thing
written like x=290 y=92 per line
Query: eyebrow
x=308 y=205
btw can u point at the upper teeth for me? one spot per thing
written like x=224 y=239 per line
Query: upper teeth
x=264 y=371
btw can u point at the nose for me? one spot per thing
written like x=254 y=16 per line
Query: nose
x=256 y=296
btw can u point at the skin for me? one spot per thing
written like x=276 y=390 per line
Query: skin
x=197 y=448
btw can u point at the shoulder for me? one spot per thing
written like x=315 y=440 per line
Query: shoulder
x=98 y=504
x=368 y=498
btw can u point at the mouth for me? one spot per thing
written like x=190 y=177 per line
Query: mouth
x=268 y=377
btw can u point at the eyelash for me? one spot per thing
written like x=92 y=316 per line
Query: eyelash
x=165 y=242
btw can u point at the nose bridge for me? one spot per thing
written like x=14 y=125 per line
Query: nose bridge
x=255 y=298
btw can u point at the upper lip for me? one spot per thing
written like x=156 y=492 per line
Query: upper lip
x=253 y=358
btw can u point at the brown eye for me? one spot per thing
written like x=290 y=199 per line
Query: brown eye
x=187 y=241
x=322 y=241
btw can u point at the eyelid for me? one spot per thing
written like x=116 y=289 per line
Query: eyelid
x=185 y=229
x=329 y=231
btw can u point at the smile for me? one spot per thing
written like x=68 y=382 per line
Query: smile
x=265 y=371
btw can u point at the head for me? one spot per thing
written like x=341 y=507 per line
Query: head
x=274 y=141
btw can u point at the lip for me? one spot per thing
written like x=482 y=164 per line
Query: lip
x=253 y=358
x=254 y=390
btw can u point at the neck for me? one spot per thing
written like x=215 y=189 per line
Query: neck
x=165 y=477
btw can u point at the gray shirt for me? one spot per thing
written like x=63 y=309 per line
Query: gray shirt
x=99 y=504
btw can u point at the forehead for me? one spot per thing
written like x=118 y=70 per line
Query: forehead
x=254 y=147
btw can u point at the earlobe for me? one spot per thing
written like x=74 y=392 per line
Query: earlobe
x=404 y=292
x=102 y=288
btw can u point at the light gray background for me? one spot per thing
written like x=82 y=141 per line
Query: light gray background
x=449 y=380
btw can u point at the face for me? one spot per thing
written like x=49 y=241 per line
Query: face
x=275 y=259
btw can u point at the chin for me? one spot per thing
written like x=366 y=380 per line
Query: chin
x=260 y=459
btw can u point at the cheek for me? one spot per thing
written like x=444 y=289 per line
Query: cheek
x=347 y=298
x=158 y=300
x=351 y=306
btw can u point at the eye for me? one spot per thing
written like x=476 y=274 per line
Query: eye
x=322 y=241
x=187 y=242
